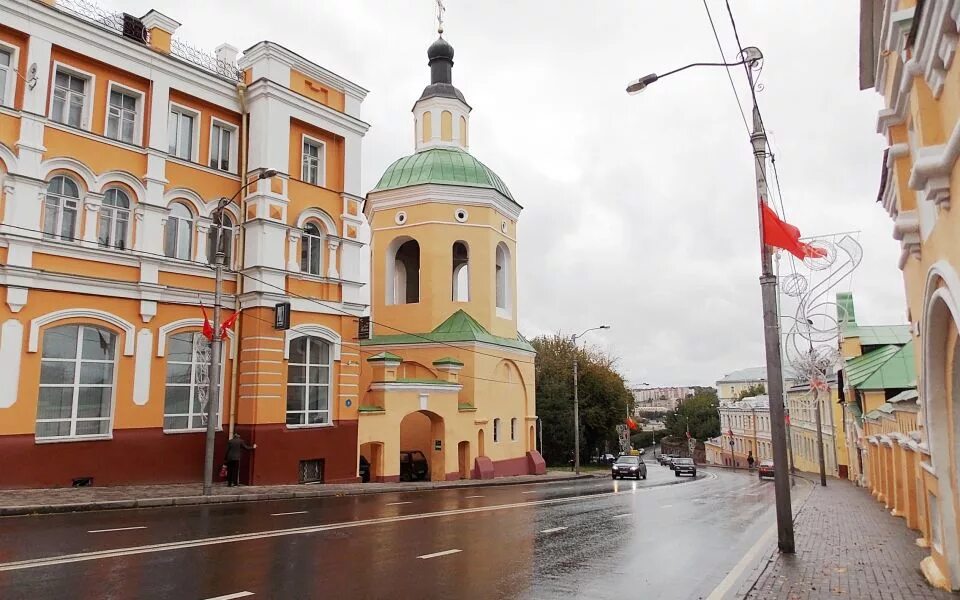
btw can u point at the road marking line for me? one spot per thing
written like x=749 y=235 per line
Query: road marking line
x=531 y=492
x=243 y=594
x=396 y=503
x=554 y=530
x=565 y=488
x=444 y=553
x=244 y=537
x=621 y=516
x=116 y=529
x=296 y=512
x=749 y=558
x=473 y=496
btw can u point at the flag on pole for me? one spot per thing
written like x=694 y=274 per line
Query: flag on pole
x=781 y=234
x=228 y=324
x=207 y=327
x=631 y=424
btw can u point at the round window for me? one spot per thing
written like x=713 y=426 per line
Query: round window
x=400 y=218
x=461 y=215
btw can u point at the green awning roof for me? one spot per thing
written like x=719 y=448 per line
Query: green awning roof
x=887 y=367
x=459 y=327
x=445 y=166
x=878 y=335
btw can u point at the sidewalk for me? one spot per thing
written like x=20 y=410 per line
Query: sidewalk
x=848 y=546
x=59 y=500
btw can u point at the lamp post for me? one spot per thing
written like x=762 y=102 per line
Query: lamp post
x=213 y=385
x=750 y=57
x=576 y=399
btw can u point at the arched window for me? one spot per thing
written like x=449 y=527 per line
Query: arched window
x=60 y=209
x=463 y=131
x=311 y=249
x=427 y=126
x=76 y=382
x=188 y=365
x=115 y=220
x=503 y=277
x=496 y=431
x=222 y=234
x=308 y=382
x=178 y=235
x=446 y=126
x=461 y=272
x=406 y=276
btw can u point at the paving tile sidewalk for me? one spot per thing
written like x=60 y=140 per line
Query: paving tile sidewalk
x=848 y=546
x=18 y=502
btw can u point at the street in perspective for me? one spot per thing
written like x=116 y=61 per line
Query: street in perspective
x=653 y=300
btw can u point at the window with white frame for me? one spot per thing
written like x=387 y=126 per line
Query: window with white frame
x=69 y=99
x=502 y=277
x=178 y=232
x=221 y=137
x=60 y=209
x=496 y=430
x=311 y=249
x=313 y=162
x=7 y=75
x=188 y=364
x=308 y=382
x=122 y=116
x=181 y=130
x=114 y=220
x=513 y=429
x=76 y=382
x=222 y=235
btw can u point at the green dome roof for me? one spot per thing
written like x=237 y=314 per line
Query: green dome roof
x=446 y=166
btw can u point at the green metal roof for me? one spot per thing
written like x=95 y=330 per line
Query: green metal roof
x=384 y=357
x=459 y=327
x=447 y=360
x=445 y=166
x=888 y=367
x=879 y=335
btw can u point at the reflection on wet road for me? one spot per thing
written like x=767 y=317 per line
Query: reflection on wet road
x=660 y=538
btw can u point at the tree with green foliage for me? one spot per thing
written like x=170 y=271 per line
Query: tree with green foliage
x=604 y=399
x=699 y=413
x=757 y=389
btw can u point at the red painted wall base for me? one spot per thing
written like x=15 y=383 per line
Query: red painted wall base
x=280 y=450
x=483 y=468
x=535 y=463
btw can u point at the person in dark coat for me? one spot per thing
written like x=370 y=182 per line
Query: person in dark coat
x=750 y=460
x=235 y=448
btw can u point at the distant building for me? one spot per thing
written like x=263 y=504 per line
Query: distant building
x=802 y=404
x=730 y=385
x=746 y=423
x=652 y=400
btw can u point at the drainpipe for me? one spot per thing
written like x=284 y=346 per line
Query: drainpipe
x=242 y=97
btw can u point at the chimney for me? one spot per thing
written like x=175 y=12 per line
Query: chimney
x=161 y=28
x=227 y=53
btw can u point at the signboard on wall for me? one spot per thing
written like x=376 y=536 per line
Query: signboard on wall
x=438 y=445
x=363 y=328
x=281 y=316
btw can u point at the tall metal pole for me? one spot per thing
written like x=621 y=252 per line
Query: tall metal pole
x=823 y=465
x=213 y=391
x=771 y=328
x=576 y=413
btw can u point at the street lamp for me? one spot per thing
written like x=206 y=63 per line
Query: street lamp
x=213 y=386
x=750 y=58
x=576 y=399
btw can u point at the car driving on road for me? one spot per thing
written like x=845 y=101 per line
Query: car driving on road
x=628 y=466
x=765 y=469
x=684 y=466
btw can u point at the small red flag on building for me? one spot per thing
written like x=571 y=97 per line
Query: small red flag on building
x=781 y=234
x=207 y=327
x=228 y=324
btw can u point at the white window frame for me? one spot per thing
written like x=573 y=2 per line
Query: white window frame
x=232 y=154
x=88 y=93
x=113 y=219
x=307 y=241
x=57 y=234
x=78 y=361
x=8 y=84
x=306 y=384
x=113 y=86
x=197 y=116
x=192 y=386
x=322 y=155
x=193 y=225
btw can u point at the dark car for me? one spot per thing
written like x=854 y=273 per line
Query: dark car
x=672 y=459
x=413 y=465
x=684 y=466
x=628 y=466
x=765 y=469
x=606 y=459
x=663 y=458
x=364 y=469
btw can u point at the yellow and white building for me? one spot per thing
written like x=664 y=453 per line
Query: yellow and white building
x=908 y=55
x=117 y=141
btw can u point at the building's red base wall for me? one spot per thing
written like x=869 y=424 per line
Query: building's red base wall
x=511 y=467
x=133 y=456
x=535 y=463
x=280 y=450
x=483 y=468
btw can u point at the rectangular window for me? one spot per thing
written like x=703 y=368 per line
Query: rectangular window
x=122 y=116
x=496 y=430
x=69 y=99
x=180 y=130
x=513 y=430
x=308 y=382
x=220 y=147
x=313 y=162
x=6 y=74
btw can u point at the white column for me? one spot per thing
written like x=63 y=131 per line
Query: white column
x=159 y=114
x=141 y=370
x=293 y=257
x=38 y=53
x=332 y=245
x=91 y=205
x=203 y=229
x=351 y=164
x=11 y=349
x=150 y=221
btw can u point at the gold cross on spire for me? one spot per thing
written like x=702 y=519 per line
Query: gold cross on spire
x=440 y=10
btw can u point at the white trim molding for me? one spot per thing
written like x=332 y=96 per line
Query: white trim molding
x=414 y=386
x=172 y=326
x=906 y=230
x=128 y=328
x=313 y=329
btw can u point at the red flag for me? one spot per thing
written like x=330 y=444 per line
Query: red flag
x=631 y=424
x=688 y=434
x=228 y=324
x=781 y=234
x=207 y=327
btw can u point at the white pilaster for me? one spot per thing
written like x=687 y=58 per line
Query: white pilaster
x=141 y=371
x=203 y=231
x=150 y=221
x=293 y=256
x=159 y=109
x=11 y=349
x=91 y=205
x=332 y=245
x=38 y=53
x=352 y=146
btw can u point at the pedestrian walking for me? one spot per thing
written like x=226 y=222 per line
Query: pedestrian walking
x=235 y=448
x=750 y=460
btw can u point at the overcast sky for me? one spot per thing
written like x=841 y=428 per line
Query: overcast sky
x=639 y=210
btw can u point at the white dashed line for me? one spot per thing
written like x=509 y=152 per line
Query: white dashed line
x=116 y=529
x=554 y=530
x=397 y=503
x=243 y=594
x=667 y=506
x=530 y=492
x=473 y=496
x=296 y=512
x=621 y=516
x=444 y=553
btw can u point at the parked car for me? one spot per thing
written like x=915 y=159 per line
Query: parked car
x=628 y=465
x=672 y=459
x=413 y=465
x=364 y=469
x=663 y=458
x=606 y=459
x=683 y=466
x=765 y=469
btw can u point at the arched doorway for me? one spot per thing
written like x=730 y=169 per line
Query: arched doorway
x=480 y=448
x=463 y=459
x=423 y=432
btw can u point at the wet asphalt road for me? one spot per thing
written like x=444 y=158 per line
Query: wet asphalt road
x=660 y=538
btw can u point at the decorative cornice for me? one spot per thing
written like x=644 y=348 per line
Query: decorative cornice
x=454 y=195
x=906 y=230
x=266 y=49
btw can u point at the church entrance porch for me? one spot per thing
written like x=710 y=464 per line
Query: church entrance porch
x=423 y=431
